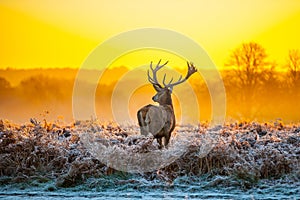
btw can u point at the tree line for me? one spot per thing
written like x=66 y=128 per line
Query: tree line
x=256 y=88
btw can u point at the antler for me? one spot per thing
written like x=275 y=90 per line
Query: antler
x=153 y=79
x=191 y=70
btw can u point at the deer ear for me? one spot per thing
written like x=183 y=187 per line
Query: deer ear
x=157 y=87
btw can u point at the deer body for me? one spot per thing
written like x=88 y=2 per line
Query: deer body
x=160 y=120
x=157 y=120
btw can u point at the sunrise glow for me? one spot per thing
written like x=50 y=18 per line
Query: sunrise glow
x=44 y=44
x=59 y=34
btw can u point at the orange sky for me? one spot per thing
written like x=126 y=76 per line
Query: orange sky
x=53 y=33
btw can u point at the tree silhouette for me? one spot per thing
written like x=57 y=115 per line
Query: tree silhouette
x=4 y=84
x=293 y=67
x=5 y=87
x=39 y=89
x=250 y=70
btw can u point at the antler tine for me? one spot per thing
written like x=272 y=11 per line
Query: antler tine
x=164 y=79
x=153 y=79
x=161 y=66
x=149 y=77
x=158 y=63
x=191 y=70
x=171 y=80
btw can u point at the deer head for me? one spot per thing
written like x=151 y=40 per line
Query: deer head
x=163 y=95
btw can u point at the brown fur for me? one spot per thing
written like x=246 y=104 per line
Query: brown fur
x=160 y=120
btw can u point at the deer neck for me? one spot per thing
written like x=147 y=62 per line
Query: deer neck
x=169 y=108
x=167 y=102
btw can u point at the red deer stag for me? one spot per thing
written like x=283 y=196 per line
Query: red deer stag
x=160 y=120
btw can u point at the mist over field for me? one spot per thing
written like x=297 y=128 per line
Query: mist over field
x=47 y=93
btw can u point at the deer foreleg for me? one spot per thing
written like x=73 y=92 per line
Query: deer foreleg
x=167 y=139
x=159 y=140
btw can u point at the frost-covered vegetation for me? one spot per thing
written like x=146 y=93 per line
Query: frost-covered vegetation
x=242 y=154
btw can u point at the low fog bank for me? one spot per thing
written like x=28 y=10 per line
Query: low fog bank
x=48 y=95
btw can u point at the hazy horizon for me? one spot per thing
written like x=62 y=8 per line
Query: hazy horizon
x=30 y=93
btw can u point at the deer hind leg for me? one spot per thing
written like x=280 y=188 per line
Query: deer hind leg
x=167 y=139
x=159 y=140
x=141 y=115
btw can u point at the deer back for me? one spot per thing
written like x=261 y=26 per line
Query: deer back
x=158 y=120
